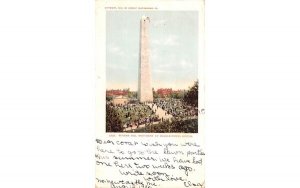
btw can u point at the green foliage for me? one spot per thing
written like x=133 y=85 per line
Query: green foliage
x=177 y=95
x=186 y=126
x=155 y=95
x=140 y=112
x=132 y=94
x=191 y=97
x=109 y=98
x=113 y=122
x=182 y=126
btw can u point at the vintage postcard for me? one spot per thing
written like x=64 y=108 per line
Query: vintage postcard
x=150 y=94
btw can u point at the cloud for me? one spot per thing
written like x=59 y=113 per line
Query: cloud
x=171 y=40
x=135 y=55
x=115 y=50
x=118 y=67
x=165 y=65
x=154 y=55
x=185 y=63
x=125 y=32
x=158 y=23
x=176 y=66
x=162 y=71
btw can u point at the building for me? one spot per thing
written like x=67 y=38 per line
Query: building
x=117 y=92
x=120 y=100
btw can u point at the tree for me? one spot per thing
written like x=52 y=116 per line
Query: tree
x=113 y=122
x=191 y=97
x=109 y=98
x=155 y=95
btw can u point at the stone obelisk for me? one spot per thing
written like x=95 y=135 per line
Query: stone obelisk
x=145 y=93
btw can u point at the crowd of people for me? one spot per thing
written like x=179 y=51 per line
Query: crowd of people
x=134 y=115
x=176 y=108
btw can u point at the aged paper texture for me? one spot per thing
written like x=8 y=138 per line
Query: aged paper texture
x=150 y=94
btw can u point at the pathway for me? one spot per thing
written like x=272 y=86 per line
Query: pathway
x=159 y=111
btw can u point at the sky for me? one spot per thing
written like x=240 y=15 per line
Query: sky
x=173 y=48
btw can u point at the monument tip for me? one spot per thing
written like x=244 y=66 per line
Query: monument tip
x=145 y=18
